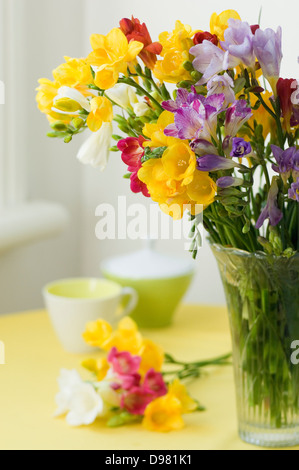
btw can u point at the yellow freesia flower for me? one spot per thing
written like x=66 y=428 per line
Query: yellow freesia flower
x=159 y=185
x=111 y=56
x=164 y=414
x=74 y=73
x=219 y=23
x=260 y=115
x=202 y=189
x=97 y=333
x=99 y=368
x=125 y=338
x=152 y=356
x=175 y=52
x=179 y=162
x=179 y=391
x=175 y=184
x=155 y=131
x=46 y=93
x=101 y=111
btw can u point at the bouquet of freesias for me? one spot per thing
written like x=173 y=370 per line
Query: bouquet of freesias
x=127 y=385
x=221 y=139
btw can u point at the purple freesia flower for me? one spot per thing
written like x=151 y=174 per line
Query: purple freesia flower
x=284 y=160
x=294 y=191
x=271 y=211
x=238 y=41
x=228 y=182
x=236 y=116
x=203 y=147
x=196 y=117
x=215 y=163
x=211 y=60
x=183 y=97
x=267 y=48
x=222 y=84
x=240 y=147
x=295 y=164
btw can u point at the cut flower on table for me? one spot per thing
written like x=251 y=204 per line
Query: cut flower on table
x=128 y=385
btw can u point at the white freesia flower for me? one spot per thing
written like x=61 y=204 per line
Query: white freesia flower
x=67 y=382
x=110 y=396
x=123 y=95
x=85 y=405
x=95 y=150
x=74 y=95
x=141 y=109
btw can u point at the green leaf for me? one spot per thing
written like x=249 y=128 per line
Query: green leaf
x=239 y=85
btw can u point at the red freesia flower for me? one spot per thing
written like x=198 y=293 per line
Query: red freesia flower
x=136 y=31
x=132 y=153
x=254 y=27
x=285 y=88
x=205 y=36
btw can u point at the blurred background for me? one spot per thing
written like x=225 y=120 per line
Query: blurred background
x=47 y=199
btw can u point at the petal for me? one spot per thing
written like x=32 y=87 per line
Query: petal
x=133 y=50
x=97 y=41
x=117 y=43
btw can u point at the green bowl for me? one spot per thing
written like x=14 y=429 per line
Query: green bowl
x=158 y=298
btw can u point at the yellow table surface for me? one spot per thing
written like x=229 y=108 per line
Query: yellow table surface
x=34 y=358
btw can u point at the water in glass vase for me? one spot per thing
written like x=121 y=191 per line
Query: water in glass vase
x=262 y=295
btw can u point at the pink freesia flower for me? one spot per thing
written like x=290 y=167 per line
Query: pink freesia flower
x=136 y=400
x=126 y=382
x=123 y=363
x=138 y=186
x=154 y=381
x=132 y=153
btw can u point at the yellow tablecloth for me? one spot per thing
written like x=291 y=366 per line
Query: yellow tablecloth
x=34 y=358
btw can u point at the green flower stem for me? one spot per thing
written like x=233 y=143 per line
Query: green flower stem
x=259 y=96
x=265 y=170
x=129 y=81
x=193 y=369
x=150 y=79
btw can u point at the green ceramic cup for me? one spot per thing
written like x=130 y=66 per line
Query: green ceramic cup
x=158 y=298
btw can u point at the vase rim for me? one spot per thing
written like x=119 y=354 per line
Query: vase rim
x=216 y=247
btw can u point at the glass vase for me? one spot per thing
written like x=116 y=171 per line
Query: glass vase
x=262 y=295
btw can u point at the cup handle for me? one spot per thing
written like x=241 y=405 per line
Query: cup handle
x=129 y=291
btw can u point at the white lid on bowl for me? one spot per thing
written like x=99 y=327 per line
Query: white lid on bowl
x=147 y=264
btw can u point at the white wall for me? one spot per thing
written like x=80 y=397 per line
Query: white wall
x=53 y=173
x=57 y=28
x=161 y=16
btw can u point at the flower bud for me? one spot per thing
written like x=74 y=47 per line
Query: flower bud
x=205 y=36
x=68 y=139
x=188 y=66
x=59 y=126
x=67 y=105
x=77 y=123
